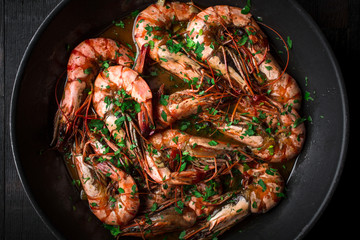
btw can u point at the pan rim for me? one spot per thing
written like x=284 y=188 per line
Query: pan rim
x=298 y=8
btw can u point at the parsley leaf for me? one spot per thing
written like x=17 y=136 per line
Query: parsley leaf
x=289 y=42
x=164 y=116
x=247 y=7
x=213 y=143
x=114 y=230
x=163 y=100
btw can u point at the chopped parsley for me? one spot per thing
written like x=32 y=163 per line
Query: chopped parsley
x=213 y=143
x=247 y=7
x=289 y=42
x=164 y=116
x=88 y=70
x=307 y=96
x=119 y=24
x=114 y=230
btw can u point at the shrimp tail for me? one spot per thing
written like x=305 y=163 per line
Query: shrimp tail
x=140 y=60
x=145 y=118
x=61 y=131
x=56 y=128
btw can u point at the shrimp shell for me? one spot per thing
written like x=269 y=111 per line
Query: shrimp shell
x=282 y=87
x=113 y=210
x=107 y=86
x=153 y=29
x=83 y=66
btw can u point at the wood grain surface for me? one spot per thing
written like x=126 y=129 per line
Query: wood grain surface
x=340 y=23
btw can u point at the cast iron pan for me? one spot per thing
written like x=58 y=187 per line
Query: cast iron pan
x=45 y=177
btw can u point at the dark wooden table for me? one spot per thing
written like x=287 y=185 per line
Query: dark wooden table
x=340 y=23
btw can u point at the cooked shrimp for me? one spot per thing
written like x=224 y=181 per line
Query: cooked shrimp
x=108 y=205
x=182 y=104
x=153 y=28
x=279 y=85
x=272 y=132
x=172 y=138
x=249 y=52
x=157 y=168
x=222 y=219
x=84 y=63
x=264 y=186
x=159 y=223
x=108 y=94
x=286 y=130
x=241 y=129
x=262 y=189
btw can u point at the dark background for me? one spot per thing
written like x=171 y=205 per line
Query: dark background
x=19 y=19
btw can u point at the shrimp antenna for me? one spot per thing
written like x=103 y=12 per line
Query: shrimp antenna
x=287 y=53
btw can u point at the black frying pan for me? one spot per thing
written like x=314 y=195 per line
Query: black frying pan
x=45 y=177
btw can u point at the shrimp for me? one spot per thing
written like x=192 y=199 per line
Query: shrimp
x=160 y=173
x=271 y=131
x=288 y=136
x=242 y=131
x=264 y=186
x=182 y=104
x=172 y=138
x=223 y=218
x=153 y=28
x=110 y=206
x=84 y=63
x=184 y=145
x=248 y=49
x=168 y=220
x=111 y=88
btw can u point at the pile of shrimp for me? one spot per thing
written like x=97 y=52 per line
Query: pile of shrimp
x=143 y=175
